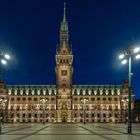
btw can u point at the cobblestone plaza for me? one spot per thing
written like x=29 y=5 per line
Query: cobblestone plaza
x=100 y=131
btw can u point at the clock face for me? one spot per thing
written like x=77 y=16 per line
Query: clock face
x=64 y=72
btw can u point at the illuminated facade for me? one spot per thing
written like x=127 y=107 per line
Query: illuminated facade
x=62 y=102
x=137 y=110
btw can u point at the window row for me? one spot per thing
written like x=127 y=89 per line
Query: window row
x=32 y=115
x=98 y=107
x=31 y=92
x=97 y=99
x=31 y=99
x=34 y=107
x=96 y=115
x=97 y=91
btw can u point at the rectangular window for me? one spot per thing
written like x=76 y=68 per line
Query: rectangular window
x=23 y=99
x=52 y=99
x=64 y=72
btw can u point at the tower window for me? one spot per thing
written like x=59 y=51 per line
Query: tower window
x=63 y=72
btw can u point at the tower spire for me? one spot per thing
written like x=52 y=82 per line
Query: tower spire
x=64 y=16
x=64 y=31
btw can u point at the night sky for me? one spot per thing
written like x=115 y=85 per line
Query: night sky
x=98 y=29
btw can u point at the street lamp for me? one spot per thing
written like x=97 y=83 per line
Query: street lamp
x=84 y=103
x=2 y=101
x=44 y=102
x=3 y=61
x=126 y=57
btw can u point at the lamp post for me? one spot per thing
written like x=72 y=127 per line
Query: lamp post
x=2 y=101
x=126 y=56
x=84 y=103
x=3 y=61
x=44 y=102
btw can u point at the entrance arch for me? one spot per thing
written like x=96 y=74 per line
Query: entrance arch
x=64 y=117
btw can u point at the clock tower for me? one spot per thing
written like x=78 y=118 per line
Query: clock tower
x=64 y=71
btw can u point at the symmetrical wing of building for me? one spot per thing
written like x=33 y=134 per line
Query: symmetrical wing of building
x=64 y=102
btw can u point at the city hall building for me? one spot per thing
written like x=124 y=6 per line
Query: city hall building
x=64 y=102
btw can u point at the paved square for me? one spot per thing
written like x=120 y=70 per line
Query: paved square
x=102 y=131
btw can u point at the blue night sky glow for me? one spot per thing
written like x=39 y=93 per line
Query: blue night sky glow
x=98 y=29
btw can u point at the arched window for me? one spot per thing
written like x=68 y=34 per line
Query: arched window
x=115 y=91
x=18 y=91
x=35 y=91
x=109 y=91
x=53 y=93
x=104 y=115
x=75 y=92
x=87 y=92
x=30 y=92
x=47 y=92
x=104 y=91
x=41 y=92
x=13 y=91
x=92 y=91
x=81 y=92
x=98 y=91
x=24 y=91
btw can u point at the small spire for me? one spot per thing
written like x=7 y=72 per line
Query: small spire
x=64 y=16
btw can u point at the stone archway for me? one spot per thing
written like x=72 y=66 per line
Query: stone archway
x=64 y=117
